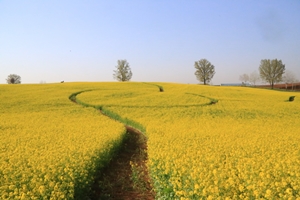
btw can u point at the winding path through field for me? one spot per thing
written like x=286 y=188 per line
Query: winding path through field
x=126 y=176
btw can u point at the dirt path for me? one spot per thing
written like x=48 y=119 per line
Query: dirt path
x=126 y=177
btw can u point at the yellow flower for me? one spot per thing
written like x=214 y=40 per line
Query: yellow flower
x=236 y=147
x=289 y=191
x=268 y=193
x=241 y=188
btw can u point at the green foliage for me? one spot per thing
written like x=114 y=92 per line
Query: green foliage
x=125 y=121
x=271 y=71
x=205 y=71
x=161 y=89
x=13 y=79
x=107 y=112
x=123 y=71
x=291 y=98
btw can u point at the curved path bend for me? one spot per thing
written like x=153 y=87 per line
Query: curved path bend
x=126 y=177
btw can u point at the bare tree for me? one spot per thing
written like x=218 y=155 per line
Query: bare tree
x=13 y=79
x=244 y=78
x=254 y=77
x=205 y=71
x=123 y=71
x=289 y=78
x=271 y=71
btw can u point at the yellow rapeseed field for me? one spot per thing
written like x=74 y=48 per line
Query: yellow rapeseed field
x=246 y=146
x=50 y=147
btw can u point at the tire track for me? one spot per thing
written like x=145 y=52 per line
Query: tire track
x=126 y=176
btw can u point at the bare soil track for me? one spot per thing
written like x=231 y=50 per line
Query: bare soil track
x=126 y=177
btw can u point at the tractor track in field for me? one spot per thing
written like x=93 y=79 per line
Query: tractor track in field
x=126 y=176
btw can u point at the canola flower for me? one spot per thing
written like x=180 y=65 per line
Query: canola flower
x=244 y=147
x=50 y=147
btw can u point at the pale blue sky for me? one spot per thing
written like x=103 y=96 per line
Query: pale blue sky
x=161 y=39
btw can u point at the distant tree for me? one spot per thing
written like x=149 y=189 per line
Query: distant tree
x=244 y=78
x=13 y=79
x=254 y=77
x=205 y=71
x=289 y=78
x=271 y=71
x=123 y=71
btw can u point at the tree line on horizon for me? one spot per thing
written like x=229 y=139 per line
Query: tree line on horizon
x=271 y=71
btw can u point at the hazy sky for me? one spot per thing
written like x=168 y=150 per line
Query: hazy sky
x=161 y=39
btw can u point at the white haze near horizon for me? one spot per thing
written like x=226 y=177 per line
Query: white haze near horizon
x=51 y=41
